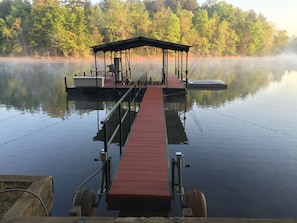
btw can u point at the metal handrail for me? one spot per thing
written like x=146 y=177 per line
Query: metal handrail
x=117 y=107
x=122 y=98
x=106 y=162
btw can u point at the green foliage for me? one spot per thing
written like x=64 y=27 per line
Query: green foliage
x=70 y=27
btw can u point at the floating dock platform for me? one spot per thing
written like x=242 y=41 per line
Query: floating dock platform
x=207 y=85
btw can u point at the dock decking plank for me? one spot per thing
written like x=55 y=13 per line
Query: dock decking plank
x=141 y=181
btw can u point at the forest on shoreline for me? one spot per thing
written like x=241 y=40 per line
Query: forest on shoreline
x=51 y=28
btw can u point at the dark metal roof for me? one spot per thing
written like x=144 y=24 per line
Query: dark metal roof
x=138 y=42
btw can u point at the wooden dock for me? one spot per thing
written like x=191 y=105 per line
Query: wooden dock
x=142 y=182
x=172 y=85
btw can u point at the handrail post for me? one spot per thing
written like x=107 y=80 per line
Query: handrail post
x=129 y=112
x=108 y=165
x=120 y=123
x=173 y=163
x=105 y=136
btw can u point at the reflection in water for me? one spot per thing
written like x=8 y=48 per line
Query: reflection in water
x=240 y=142
x=244 y=77
x=112 y=126
x=175 y=130
x=38 y=84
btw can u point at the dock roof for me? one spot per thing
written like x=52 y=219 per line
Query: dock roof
x=139 y=42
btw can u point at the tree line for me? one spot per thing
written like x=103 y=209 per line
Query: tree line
x=68 y=28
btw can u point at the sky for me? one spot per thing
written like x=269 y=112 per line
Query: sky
x=283 y=13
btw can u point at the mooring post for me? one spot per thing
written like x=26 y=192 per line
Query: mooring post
x=173 y=163
x=65 y=82
x=180 y=161
x=104 y=175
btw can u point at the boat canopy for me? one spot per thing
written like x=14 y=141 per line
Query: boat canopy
x=139 y=42
x=120 y=52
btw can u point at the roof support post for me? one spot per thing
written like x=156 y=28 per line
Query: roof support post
x=175 y=68
x=163 y=69
x=104 y=58
x=178 y=64
x=130 y=73
x=181 y=77
x=112 y=56
x=96 y=69
x=121 y=59
x=187 y=55
x=166 y=67
x=95 y=57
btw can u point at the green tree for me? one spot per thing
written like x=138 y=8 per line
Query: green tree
x=280 y=41
x=140 y=20
x=14 y=27
x=117 y=26
x=5 y=8
x=187 y=32
x=166 y=26
x=5 y=36
x=207 y=29
x=46 y=20
x=158 y=5
x=172 y=30
x=94 y=22
x=225 y=40
x=251 y=35
x=190 y=5
x=201 y=20
x=267 y=35
x=79 y=28
x=68 y=28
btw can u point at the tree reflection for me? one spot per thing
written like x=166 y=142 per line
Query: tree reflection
x=244 y=76
x=38 y=85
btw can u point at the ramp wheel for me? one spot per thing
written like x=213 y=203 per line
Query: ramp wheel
x=84 y=198
x=197 y=202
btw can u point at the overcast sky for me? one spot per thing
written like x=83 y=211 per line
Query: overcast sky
x=283 y=13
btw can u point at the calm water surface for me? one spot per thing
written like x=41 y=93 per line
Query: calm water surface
x=240 y=143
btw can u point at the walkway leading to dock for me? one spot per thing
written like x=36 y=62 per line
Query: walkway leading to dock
x=142 y=180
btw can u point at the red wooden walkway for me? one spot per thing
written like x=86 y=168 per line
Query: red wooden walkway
x=142 y=181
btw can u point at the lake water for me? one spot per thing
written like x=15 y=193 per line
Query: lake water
x=240 y=142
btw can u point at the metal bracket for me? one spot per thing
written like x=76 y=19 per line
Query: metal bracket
x=103 y=155
x=176 y=220
x=180 y=163
x=82 y=219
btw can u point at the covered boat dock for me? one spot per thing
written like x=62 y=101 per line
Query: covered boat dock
x=117 y=75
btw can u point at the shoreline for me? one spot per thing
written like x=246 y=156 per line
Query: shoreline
x=132 y=58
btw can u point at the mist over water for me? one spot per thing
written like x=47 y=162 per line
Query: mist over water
x=240 y=142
